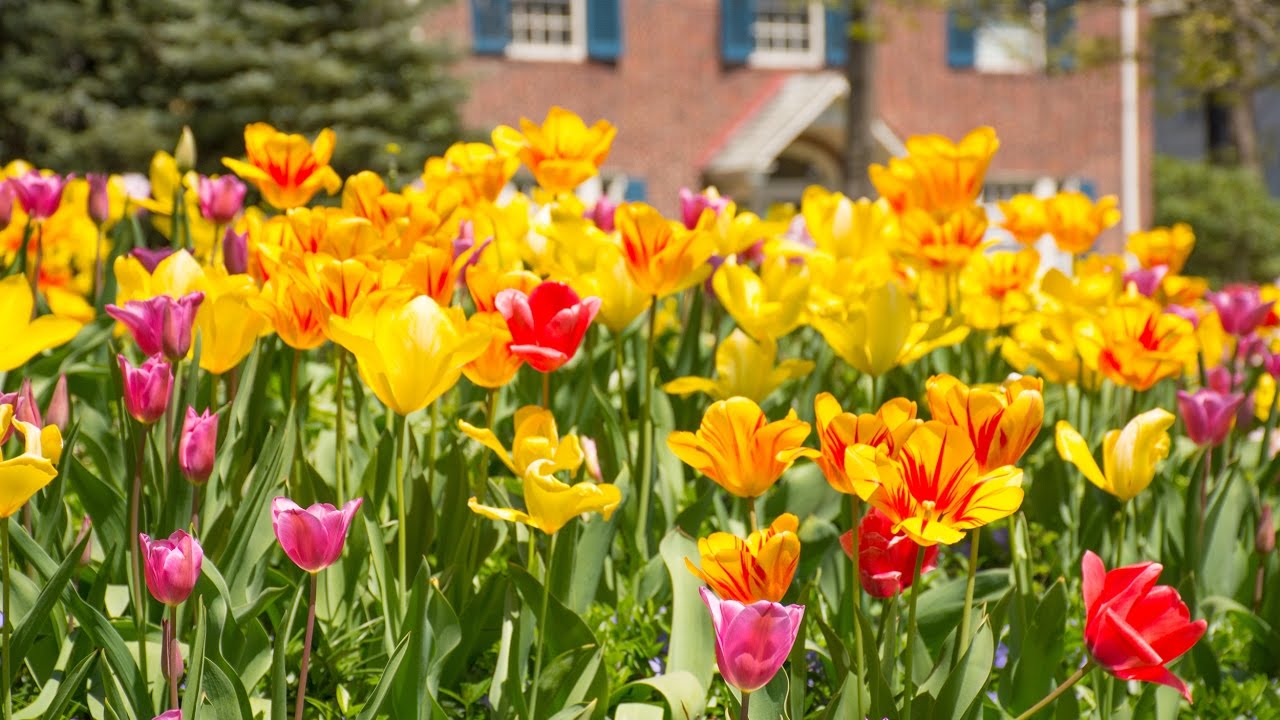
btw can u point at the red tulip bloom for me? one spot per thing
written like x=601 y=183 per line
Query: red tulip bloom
x=1133 y=627
x=886 y=561
x=546 y=325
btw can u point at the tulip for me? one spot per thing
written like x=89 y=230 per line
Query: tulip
x=295 y=307
x=591 y=456
x=752 y=641
x=941 y=244
x=171 y=567
x=1265 y=539
x=99 y=203
x=758 y=568
x=602 y=213
x=485 y=282
x=547 y=325
x=220 y=198
x=738 y=448
x=621 y=300
x=663 y=257
x=562 y=152
x=1163 y=246
x=169 y=715
x=7 y=195
x=1241 y=309
x=228 y=325
x=497 y=365
x=1146 y=280
x=1133 y=627
x=693 y=205
x=235 y=251
x=1075 y=221
x=40 y=195
x=477 y=171
x=937 y=175
x=198 y=445
x=743 y=367
x=313 y=538
x=1024 y=218
x=24 y=475
x=1137 y=344
x=839 y=432
x=1001 y=422
x=551 y=504
x=285 y=168
x=24 y=405
x=1129 y=455
x=1208 y=415
x=160 y=324
x=768 y=305
x=26 y=337
x=536 y=438
x=886 y=560
x=933 y=490
x=58 y=412
x=146 y=388
x=150 y=258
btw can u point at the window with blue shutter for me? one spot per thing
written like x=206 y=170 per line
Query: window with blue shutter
x=1089 y=189
x=837 y=36
x=489 y=26
x=604 y=30
x=637 y=190
x=1059 y=24
x=961 y=39
x=736 y=42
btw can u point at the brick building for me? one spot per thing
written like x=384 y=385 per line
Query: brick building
x=747 y=94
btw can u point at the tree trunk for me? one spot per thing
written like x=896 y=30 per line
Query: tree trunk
x=1244 y=131
x=859 y=105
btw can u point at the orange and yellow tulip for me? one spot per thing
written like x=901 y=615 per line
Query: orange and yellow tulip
x=1024 y=217
x=1001 y=421
x=1075 y=221
x=663 y=257
x=840 y=433
x=937 y=175
x=1168 y=246
x=497 y=365
x=739 y=448
x=1137 y=344
x=562 y=152
x=285 y=168
x=758 y=568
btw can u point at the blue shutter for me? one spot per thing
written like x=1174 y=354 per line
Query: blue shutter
x=736 y=42
x=489 y=26
x=1089 y=189
x=637 y=190
x=837 y=36
x=960 y=38
x=604 y=30
x=1059 y=25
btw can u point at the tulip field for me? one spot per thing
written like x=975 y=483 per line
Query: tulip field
x=284 y=444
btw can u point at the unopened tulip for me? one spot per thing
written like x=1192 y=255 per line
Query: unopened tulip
x=602 y=214
x=150 y=258
x=58 y=412
x=86 y=527
x=40 y=195
x=1208 y=415
x=313 y=538
x=169 y=715
x=221 y=198
x=99 y=203
x=692 y=205
x=235 y=252
x=198 y=445
x=1133 y=627
x=1265 y=540
x=548 y=324
x=1240 y=308
x=172 y=566
x=146 y=388
x=886 y=560
x=752 y=641
x=160 y=324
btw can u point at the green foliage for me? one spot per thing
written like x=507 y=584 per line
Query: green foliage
x=1234 y=218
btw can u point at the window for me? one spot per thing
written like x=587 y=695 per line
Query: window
x=1022 y=36
x=787 y=33
x=1013 y=43
x=548 y=30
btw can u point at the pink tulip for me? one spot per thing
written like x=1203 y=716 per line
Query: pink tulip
x=312 y=538
x=99 y=205
x=235 y=252
x=602 y=214
x=198 y=445
x=1146 y=280
x=26 y=409
x=7 y=195
x=1207 y=415
x=591 y=457
x=58 y=412
x=171 y=567
x=160 y=324
x=752 y=641
x=151 y=258
x=169 y=715
x=692 y=204
x=1240 y=308
x=40 y=195
x=147 y=388
x=221 y=198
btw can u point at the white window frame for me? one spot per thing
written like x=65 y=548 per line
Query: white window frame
x=574 y=51
x=815 y=57
x=1013 y=47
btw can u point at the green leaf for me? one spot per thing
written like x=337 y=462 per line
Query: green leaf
x=692 y=645
x=38 y=615
x=640 y=711
x=227 y=698
x=969 y=677
x=684 y=693
x=195 y=666
x=1043 y=646
x=379 y=696
x=939 y=607
x=66 y=686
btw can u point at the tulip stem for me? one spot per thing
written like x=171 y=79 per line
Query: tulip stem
x=546 y=391
x=622 y=398
x=646 y=432
x=401 y=539
x=1120 y=531
x=962 y=642
x=751 y=514
x=306 y=650
x=340 y=427
x=855 y=587
x=745 y=711
x=1066 y=685
x=542 y=623
x=909 y=684
x=169 y=631
x=8 y=619
x=135 y=502
x=97 y=267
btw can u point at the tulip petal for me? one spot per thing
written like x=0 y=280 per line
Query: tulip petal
x=1073 y=448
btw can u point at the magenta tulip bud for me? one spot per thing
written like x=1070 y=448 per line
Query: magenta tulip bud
x=1208 y=415
x=752 y=641
x=312 y=538
x=1146 y=280
x=6 y=203
x=59 y=410
x=198 y=445
x=169 y=715
x=171 y=567
x=1265 y=541
x=99 y=198
x=1187 y=313
x=1240 y=308
x=221 y=198
x=147 y=388
x=602 y=214
x=160 y=324
x=24 y=407
x=151 y=258
x=693 y=204
x=40 y=195
x=235 y=252
x=86 y=527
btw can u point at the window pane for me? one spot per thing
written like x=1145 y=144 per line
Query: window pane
x=542 y=22
x=781 y=26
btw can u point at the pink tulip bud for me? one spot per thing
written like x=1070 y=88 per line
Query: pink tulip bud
x=752 y=641
x=221 y=198
x=602 y=214
x=1265 y=541
x=693 y=204
x=151 y=258
x=235 y=252
x=198 y=445
x=160 y=324
x=1187 y=313
x=1146 y=280
x=99 y=199
x=59 y=411
x=171 y=567
x=1208 y=415
x=1240 y=308
x=592 y=456
x=146 y=388
x=6 y=203
x=169 y=715
x=312 y=538
x=86 y=527
x=40 y=195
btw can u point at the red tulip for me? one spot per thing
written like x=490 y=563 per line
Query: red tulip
x=548 y=324
x=886 y=562
x=312 y=537
x=1133 y=627
x=171 y=567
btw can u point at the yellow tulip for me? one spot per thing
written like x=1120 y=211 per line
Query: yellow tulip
x=841 y=433
x=941 y=245
x=497 y=365
x=24 y=475
x=285 y=168
x=362 y=195
x=758 y=568
x=478 y=170
x=842 y=228
x=294 y=306
x=663 y=257
x=175 y=276
x=1024 y=217
x=228 y=325
x=621 y=300
x=28 y=337
x=1168 y=246
x=1043 y=342
x=551 y=504
x=994 y=288
x=536 y=438
x=562 y=152
x=1075 y=221
x=738 y=447
x=768 y=305
x=1129 y=456
x=744 y=367
x=1137 y=344
x=937 y=175
x=333 y=231
x=1001 y=421
x=409 y=354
